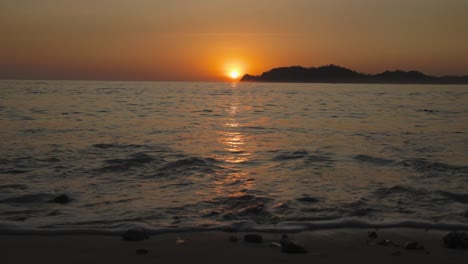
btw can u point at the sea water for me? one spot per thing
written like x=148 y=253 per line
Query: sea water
x=195 y=156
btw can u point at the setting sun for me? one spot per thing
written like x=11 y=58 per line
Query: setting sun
x=234 y=74
x=233 y=69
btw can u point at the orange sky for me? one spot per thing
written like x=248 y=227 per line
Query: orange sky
x=202 y=40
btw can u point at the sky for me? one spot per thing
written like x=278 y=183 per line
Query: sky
x=207 y=40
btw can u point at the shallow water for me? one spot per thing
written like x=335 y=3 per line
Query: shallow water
x=173 y=155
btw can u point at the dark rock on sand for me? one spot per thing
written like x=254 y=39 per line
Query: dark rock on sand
x=372 y=234
x=383 y=242
x=61 y=199
x=288 y=246
x=413 y=245
x=465 y=214
x=135 y=235
x=233 y=239
x=396 y=253
x=386 y=242
x=253 y=238
x=456 y=240
x=142 y=251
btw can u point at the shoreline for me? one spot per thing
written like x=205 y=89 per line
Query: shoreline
x=323 y=246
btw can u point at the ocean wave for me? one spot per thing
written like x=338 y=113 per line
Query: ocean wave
x=418 y=164
x=243 y=207
x=419 y=195
x=14 y=171
x=308 y=199
x=116 y=146
x=291 y=155
x=137 y=159
x=189 y=162
x=238 y=226
x=424 y=165
x=187 y=165
x=384 y=192
x=304 y=155
x=457 y=197
x=28 y=198
x=13 y=186
x=373 y=160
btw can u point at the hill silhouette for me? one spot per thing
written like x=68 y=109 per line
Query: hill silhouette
x=336 y=74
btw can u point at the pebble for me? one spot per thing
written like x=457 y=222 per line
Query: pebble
x=383 y=242
x=386 y=242
x=456 y=240
x=290 y=247
x=179 y=241
x=233 y=239
x=372 y=234
x=412 y=245
x=135 y=235
x=396 y=253
x=275 y=244
x=253 y=238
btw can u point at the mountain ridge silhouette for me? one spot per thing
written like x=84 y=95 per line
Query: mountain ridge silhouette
x=337 y=74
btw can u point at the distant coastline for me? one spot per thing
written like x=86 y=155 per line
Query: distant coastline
x=337 y=74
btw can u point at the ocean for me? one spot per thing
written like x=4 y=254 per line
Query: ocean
x=176 y=156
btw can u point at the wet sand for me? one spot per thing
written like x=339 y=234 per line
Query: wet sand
x=323 y=246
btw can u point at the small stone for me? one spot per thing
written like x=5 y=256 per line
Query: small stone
x=135 y=235
x=465 y=214
x=179 y=241
x=396 y=253
x=372 y=234
x=456 y=240
x=142 y=251
x=233 y=239
x=275 y=244
x=253 y=238
x=290 y=247
x=412 y=245
x=383 y=242
x=61 y=199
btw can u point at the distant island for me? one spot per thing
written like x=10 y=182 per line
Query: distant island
x=336 y=74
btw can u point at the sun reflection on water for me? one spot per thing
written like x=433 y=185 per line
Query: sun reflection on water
x=234 y=141
x=234 y=145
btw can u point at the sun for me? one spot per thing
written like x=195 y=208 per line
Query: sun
x=234 y=74
x=233 y=69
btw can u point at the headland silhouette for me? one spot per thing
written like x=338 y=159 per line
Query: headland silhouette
x=337 y=74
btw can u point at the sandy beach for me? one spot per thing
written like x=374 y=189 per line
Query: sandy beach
x=323 y=246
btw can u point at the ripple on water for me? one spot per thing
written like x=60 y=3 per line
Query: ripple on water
x=28 y=198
